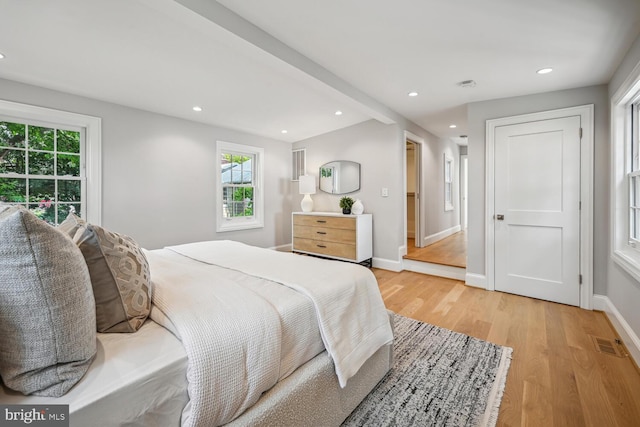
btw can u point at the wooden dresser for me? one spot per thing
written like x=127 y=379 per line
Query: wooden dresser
x=334 y=235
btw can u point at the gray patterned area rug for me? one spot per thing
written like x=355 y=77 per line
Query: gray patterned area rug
x=439 y=378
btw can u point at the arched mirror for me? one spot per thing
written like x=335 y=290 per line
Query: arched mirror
x=340 y=177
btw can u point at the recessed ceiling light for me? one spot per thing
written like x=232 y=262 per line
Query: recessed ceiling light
x=452 y=126
x=1 y=55
x=544 y=70
x=338 y=113
x=283 y=131
x=196 y=108
x=413 y=94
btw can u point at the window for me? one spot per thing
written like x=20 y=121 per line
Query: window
x=625 y=130
x=448 y=183
x=634 y=177
x=240 y=202
x=50 y=162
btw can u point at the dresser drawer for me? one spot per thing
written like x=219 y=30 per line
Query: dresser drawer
x=333 y=235
x=340 y=250
x=325 y=221
x=325 y=234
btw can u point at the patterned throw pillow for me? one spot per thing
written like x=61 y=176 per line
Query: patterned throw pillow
x=47 y=311
x=119 y=275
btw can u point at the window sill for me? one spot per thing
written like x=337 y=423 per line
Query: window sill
x=629 y=260
x=237 y=225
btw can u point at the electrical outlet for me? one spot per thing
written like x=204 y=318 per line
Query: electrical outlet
x=384 y=192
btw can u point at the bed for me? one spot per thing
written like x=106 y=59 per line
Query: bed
x=239 y=336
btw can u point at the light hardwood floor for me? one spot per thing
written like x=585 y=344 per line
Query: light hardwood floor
x=450 y=251
x=557 y=378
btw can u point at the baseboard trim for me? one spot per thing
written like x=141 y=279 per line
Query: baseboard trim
x=387 y=264
x=440 y=235
x=476 y=280
x=627 y=335
x=434 y=269
x=283 y=248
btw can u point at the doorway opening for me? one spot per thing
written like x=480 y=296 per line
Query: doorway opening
x=464 y=192
x=442 y=253
x=413 y=165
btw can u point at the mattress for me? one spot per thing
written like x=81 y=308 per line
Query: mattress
x=135 y=380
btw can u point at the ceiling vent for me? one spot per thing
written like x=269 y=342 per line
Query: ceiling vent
x=467 y=83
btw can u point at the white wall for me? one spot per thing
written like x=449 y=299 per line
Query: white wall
x=380 y=149
x=438 y=219
x=159 y=172
x=479 y=112
x=377 y=148
x=622 y=289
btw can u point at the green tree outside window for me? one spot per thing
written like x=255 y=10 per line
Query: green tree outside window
x=40 y=168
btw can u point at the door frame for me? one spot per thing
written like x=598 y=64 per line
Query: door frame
x=464 y=191
x=586 y=113
x=420 y=221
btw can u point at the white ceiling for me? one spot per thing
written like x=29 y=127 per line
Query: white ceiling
x=264 y=66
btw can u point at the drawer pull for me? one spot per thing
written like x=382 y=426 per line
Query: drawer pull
x=321 y=232
x=321 y=221
x=321 y=246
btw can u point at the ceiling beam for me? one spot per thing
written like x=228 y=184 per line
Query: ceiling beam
x=220 y=15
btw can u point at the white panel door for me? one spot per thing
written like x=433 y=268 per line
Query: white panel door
x=537 y=207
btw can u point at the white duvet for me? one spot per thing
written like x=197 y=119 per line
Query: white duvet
x=243 y=330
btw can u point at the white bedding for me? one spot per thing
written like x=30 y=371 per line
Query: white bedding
x=234 y=325
x=135 y=380
x=241 y=334
x=351 y=314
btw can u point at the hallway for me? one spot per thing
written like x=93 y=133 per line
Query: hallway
x=451 y=251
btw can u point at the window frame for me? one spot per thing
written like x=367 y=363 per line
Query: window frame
x=448 y=183
x=91 y=152
x=625 y=251
x=224 y=224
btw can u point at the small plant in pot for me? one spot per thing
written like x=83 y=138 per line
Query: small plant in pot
x=345 y=203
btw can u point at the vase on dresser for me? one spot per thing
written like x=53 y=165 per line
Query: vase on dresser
x=357 y=207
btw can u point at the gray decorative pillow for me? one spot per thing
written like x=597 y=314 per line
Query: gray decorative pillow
x=120 y=278
x=47 y=311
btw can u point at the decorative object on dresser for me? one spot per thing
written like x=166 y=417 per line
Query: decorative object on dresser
x=345 y=204
x=307 y=186
x=357 y=208
x=333 y=235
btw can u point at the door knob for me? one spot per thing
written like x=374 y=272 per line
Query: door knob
x=500 y=217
